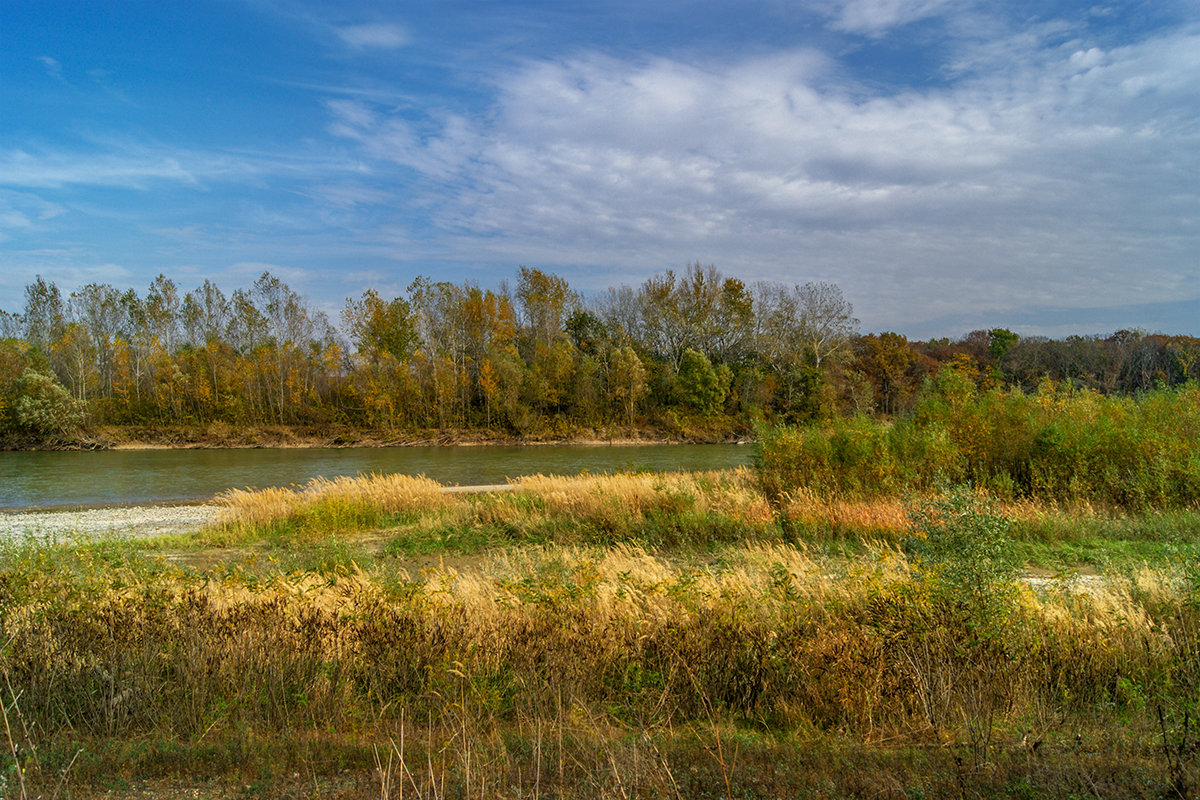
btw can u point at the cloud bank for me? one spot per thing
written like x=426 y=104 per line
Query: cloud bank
x=1066 y=179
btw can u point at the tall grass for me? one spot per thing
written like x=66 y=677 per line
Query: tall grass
x=1055 y=445
x=671 y=509
x=329 y=505
x=586 y=642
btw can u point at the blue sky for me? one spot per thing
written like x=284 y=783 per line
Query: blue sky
x=950 y=164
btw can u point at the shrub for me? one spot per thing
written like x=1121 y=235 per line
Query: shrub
x=43 y=407
x=962 y=547
x=1056 y=444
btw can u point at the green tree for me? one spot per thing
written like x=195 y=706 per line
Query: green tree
x=999 y=342
x=379 y=327
x=700 y=385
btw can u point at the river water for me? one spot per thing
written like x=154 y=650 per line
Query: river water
x=130 y=477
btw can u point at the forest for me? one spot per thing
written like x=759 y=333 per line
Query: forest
x=689 y=355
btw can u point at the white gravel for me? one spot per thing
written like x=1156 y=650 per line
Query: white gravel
x=125 y=523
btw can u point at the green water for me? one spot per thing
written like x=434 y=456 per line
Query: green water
x=158 y=476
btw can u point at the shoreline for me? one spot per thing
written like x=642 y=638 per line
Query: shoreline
x=283 y=437
x=369 y=445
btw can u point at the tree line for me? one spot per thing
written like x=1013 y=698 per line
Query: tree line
x=694 y=351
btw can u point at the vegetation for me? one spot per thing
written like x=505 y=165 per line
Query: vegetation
x=1056 y=444
x=623 y=635
x=959 y=569
x=693 y=355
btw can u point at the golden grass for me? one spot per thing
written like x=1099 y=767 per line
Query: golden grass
x=733 y=493
x=593 y=642
x=392 y=493
x=584 y=638
x=608 y=502
x=611 y=502
x=883 y=517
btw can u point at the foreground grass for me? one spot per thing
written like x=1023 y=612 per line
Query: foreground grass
x=630 y=635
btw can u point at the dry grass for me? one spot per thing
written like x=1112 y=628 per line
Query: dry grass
x=882 y=517
x=334 y=498
x=598 y=670
x=575 y=663
x=667 y=509
x=732 y=493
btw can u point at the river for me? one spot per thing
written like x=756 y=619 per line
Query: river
x=137 y=477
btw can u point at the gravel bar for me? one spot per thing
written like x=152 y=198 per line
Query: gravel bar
x=133 y=522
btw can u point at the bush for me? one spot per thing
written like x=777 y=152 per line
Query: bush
x=962 y=547
x=43 y=407
x=1056 y=444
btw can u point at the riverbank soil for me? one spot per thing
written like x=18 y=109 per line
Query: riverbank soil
x=221 y=435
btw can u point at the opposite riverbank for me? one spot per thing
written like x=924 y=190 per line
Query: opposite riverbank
x=223 y=436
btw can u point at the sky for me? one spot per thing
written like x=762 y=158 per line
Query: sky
x=950 y=164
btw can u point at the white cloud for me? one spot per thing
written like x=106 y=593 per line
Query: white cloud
x=248 y=271
x=25 y=212
x=121 y=163
x=876 y=17
x=351 y=113
x=53 y=68
x=1039 y=184
x=21 y=168
x=14 y=219
x=60 y=266
x=378 y=35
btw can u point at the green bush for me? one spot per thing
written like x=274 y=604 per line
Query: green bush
x=1056 y=444
x=962 y=546
x=41 y=406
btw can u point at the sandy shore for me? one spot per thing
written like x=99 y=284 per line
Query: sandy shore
x=125 y=523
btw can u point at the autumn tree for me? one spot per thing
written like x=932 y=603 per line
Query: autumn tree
x=544 y=300
x=627 y=380
x=44 y=315
x=379 y=328
x=102 y=312
x=885 y=359
x=205 y=316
